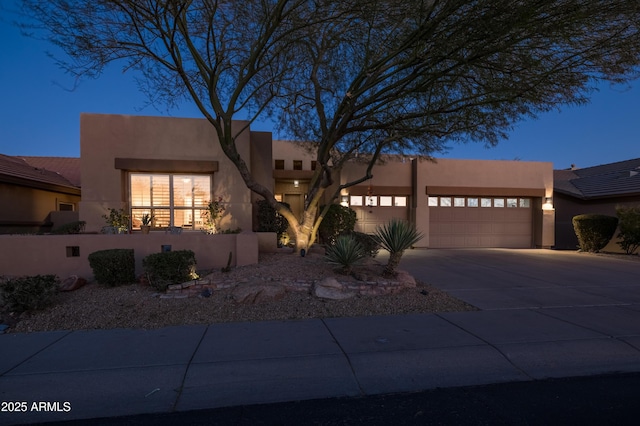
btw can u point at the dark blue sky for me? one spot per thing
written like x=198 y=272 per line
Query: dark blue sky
x=39 y=113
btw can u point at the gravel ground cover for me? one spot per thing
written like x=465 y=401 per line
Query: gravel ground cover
x=138 y=306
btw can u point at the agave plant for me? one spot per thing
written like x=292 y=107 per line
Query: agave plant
x=346 y=252
x=395 y=237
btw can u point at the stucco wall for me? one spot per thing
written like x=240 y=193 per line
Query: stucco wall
x=487 y=175
x=49 y=254
x=106 y=137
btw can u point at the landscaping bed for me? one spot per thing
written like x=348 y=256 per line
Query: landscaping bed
x=140 y=306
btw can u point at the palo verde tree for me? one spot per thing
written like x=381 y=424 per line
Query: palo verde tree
x=353 y=76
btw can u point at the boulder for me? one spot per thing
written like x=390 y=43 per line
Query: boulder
x=329 y=288
x=405 y=278
x=257 y=292
x=74 y=282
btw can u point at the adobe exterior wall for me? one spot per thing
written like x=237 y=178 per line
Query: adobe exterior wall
x=486 y=176
x=103 y=138
x=50 y=254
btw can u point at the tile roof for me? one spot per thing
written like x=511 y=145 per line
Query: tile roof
x=18 y=170
x=69 y=167
x=603 y=181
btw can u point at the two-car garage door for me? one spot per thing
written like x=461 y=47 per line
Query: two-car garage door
x=480 y=222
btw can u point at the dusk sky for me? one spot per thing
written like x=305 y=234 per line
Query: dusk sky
x=40 y=114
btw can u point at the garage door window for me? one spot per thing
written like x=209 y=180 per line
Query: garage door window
x=525 y=203
x=400 y=201
x=472 y=202
x=458 y=202
x=498 y=202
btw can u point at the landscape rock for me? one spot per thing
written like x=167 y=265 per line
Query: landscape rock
x=257 y=292
x=74 y=282
x=406 y=279
x=330 y=288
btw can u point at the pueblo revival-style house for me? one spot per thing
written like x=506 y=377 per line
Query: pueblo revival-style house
x=171 y=167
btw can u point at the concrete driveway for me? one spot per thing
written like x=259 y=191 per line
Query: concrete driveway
x=493 y=279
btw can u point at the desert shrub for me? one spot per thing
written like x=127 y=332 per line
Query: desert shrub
x=346 y=252
x=629 y=225
x=113 y=267
x=70 y=228
x=369 y=243
x=172 y=267
x=337 y=221
x=395 y=237
x=594 y=231
x=28 y=293
x=269 y=220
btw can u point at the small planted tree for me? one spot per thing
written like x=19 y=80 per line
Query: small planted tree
x=594 y=231
x=629 y=223
x=395 y=237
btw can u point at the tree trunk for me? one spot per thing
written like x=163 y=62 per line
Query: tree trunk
x=392 y=264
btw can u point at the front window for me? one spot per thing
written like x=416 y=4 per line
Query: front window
x=170 y=199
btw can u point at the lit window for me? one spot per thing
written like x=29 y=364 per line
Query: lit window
x=445 y=201
x=525 y=203
x=485 y=202
x=386 y=201
x=297 y=164
x=512 y=202
x=355 y=200
x=433 y=202
x=472 y=202
x=172 y=200
x=400 y=201
x=498 y=202
x=458 y=202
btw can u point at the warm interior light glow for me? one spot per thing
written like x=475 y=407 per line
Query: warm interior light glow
x=548 y=204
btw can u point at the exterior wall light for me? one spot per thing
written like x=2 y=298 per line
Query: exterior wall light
x=296 y=183
x=344 y=200
x=548 y=204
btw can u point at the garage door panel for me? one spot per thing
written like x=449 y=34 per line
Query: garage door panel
x=480 y=227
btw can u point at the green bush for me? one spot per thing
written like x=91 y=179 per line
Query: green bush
x=369 y=243
x=346 y=252
x=629 y=222
x=172 y=267
x=269 y=220
x=395 y=237
x=70 y=228
x=28 y=293
x=113 y=267
x=337 y=221
x=594 y=231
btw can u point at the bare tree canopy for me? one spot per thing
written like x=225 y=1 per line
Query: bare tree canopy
x=368 y=76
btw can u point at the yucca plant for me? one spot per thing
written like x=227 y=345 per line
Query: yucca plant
x=395 y=237
x=346 y=252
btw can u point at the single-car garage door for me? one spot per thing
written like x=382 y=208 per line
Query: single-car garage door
x=457 y=221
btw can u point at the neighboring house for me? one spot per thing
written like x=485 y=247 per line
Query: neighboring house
x=597 y=189
x=34 y=196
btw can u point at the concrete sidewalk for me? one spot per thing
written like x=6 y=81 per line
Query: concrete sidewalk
x=106 y=373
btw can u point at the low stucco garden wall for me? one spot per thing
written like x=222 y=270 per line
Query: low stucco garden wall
x=66 y=255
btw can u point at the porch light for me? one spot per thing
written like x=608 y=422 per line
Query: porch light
x=344 y=200
x=296 y=183
x=548 y=204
